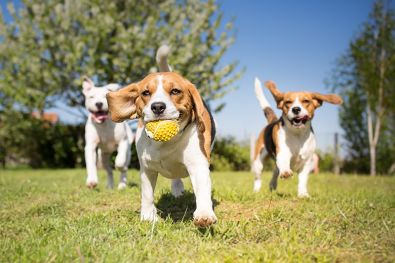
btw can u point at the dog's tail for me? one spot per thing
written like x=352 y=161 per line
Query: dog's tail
x=161 y=58
x=269 y=113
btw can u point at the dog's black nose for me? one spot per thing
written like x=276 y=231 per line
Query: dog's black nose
x=296 y=110
x=158 y=107
x=99 y=105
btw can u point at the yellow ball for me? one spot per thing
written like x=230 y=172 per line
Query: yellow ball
x=162 y=130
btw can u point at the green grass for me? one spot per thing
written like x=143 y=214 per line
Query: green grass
x=48 y=215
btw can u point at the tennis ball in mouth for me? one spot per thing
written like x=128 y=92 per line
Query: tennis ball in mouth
x=162 y=130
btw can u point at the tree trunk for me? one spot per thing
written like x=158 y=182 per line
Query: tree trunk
x=372 y=145
x=372 y=160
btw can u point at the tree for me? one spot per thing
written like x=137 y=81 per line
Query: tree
x=367 y=72
x=50 y=45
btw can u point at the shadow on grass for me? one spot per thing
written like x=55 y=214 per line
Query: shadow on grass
x=283 y=195
x=131 y=185
x=178 y=209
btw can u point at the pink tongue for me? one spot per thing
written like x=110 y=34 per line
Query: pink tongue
x=99 y=117
x=303 y=117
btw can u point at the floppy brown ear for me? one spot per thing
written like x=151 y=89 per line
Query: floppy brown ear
x=198 y=108
x=278 y=97
x=318 y=99
x=122 y=103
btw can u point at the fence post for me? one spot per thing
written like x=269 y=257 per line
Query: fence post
x=252 y=149
x=336 y=158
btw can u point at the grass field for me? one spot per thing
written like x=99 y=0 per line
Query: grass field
x=50 y=216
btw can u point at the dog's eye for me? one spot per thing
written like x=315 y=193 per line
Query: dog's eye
x=288 y=102
x=146 y=93
x=175 y=91
x=306 y=101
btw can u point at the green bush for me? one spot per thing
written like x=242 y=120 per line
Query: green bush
x=327 y=159
x=26 y=140
x=230 y=155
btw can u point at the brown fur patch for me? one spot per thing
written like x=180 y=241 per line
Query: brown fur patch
x=129 y=102
x=259 y=144
x=275 y=136
x=205 y=138
x=140 y=124
x=270 y=115
x=310 y=101
x=122 y=103
x=268 y=139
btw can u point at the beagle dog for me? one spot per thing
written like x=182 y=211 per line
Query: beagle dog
x=166 y=96
x=290 y=140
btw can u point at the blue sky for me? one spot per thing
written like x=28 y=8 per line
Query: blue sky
x=293 y=43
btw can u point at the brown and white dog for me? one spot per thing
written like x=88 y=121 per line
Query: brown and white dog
x=290 y=140
x=163 y=96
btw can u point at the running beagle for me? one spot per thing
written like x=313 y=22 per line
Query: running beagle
x=164 y=96
x=290 y=140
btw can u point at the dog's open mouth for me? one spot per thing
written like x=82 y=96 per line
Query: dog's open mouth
x=299 y=122
x=99 y=116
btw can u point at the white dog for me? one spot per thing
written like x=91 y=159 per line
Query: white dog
x=103 y=133
x=164 y=96
x=290 y=140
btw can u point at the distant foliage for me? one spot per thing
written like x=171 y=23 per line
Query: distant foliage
x=326 y=159
x=365 y=77
x=230 y=155
x=50 y=45
x=36 y=143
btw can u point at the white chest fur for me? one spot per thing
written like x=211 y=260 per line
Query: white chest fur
x=170 y=158
x=299 y=146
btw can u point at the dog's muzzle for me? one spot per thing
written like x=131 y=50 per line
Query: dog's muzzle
x=300 y=121
x=99 y=116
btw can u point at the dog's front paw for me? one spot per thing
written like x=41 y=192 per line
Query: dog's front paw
x=204 y=218
x=121 y=168
x=91 y=185
x=152 y=217
x=305 y=194
x=121 y=185
x=257 y=185
x=286 y=174
x=177 y=188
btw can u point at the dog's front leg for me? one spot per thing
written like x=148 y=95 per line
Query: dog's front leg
x=283 y=162
x=303 y=178
x=90 y=159
x=200 y=177
x=148 y=182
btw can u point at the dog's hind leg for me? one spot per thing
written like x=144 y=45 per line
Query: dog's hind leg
x=122 y=161
x=105 y=158
x=177 y=187
x=273 y=182
x=258 y=165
